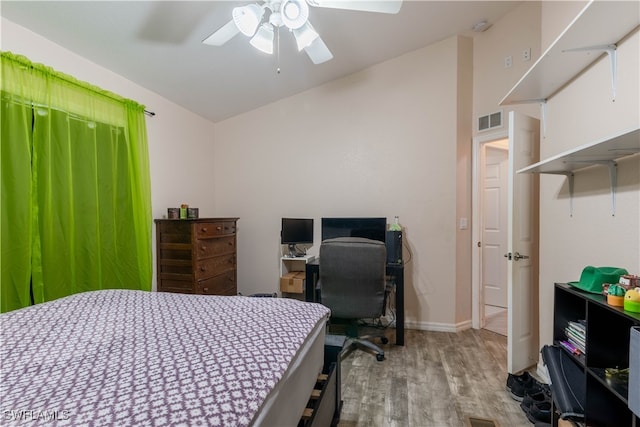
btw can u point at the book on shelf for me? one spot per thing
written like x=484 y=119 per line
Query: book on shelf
x=571 y=348
x=580 y=324
x=576 y=333
x=578 y=346
x=576 y=336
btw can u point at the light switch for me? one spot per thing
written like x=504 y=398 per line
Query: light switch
x=463 y=223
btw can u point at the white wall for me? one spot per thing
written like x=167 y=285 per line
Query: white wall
x=464 y=245
x=381 y=142
x=510 y=36
x=180 y=142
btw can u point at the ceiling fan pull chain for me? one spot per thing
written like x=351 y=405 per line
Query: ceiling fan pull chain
x=278 y=50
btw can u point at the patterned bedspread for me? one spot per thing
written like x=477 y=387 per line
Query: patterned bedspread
x=118 y=357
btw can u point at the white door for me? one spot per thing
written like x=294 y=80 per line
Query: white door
x=494 y=224
x=522 y=244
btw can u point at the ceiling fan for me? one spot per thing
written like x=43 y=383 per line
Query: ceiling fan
x=262 y=21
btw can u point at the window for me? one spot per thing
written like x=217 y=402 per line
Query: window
x=76 y=210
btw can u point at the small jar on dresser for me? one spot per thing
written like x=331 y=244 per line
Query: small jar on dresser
x=197 y=256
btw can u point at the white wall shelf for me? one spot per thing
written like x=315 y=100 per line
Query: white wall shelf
x=598 y=152
x=589 y=35
x=606 y=151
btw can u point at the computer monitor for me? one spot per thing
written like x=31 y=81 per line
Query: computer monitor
x=296 y=231
x=367 y=227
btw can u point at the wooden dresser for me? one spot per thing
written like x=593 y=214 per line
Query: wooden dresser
x=197 y=256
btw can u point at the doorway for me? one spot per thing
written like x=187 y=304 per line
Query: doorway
x=492 y=243
x=521 y=254
x=493 y=223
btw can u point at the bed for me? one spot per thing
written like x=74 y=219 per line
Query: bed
x=121 y=357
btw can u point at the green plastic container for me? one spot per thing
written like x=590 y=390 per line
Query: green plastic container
x=632 y=306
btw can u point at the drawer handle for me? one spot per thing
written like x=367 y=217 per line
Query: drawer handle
x=204 y=229
x=203 y=268
x=205 y=289
x=230 y=243
x=203 y=248
x=218 y=228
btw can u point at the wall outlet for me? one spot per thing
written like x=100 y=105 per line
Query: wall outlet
x=526 y=54
x=508 y=61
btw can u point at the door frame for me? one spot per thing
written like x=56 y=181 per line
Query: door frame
x=477 y=298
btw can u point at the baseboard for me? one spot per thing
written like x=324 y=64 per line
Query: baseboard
x=439 y=327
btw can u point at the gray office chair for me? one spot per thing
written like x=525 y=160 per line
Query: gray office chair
x=352 y=284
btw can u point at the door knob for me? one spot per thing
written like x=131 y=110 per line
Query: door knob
x=517 y=256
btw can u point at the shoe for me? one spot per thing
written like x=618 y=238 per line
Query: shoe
x=516 y=382
x=521 y=379
x=518 y=385
x=540 y=412
x=544 y=395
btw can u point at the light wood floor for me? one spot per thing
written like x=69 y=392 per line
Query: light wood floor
x=437 y=379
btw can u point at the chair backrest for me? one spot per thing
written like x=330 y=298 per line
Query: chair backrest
x=352 y=277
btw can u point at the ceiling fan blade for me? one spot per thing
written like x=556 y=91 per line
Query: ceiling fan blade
x=318 y=51
x=223 y=35
x=382 y=6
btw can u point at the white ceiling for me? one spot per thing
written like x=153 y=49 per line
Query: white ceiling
x=157 y=44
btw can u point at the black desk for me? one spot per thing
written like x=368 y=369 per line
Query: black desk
x=395 y=270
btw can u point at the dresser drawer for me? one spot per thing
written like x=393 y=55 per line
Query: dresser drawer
x=174 y=231
x=224 y=284
x=214 y=266
x=204 y=230
x=207 y=248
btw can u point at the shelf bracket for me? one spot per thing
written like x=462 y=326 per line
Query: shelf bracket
x=570 y=178
x=613 y=178
x=611 y=50
x=543 y=107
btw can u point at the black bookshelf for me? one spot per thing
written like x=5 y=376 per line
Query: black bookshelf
x=606 y=346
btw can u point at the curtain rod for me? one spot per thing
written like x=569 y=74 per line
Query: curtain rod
x=73 y=80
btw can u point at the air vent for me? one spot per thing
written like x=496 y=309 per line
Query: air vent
x=490 y=121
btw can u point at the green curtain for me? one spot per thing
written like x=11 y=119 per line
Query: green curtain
x=76 y=209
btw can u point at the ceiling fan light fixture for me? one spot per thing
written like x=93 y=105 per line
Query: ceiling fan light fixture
x=263 y=40
x=294 y=13
x=247 y=18
x=305 y=35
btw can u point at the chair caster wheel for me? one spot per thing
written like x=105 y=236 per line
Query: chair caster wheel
x=384 y=340
x=379 y=357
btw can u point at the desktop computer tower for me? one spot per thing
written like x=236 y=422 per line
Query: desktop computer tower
x=393 y=240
